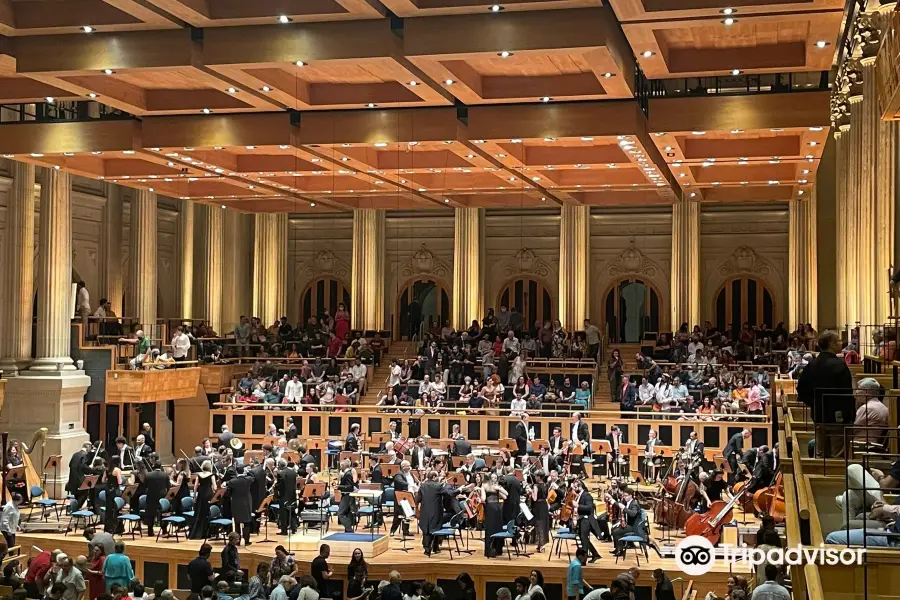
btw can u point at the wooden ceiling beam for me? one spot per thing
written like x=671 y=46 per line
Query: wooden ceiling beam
x=59 y=137
x=7 y=18
x=379 y=125
x=262 y=129
x=146 y=13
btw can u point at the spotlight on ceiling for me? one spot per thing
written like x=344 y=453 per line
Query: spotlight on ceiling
x=284 y=19
x=495 y=8
x=546 y=99
x=735 y=71
x=728 y=21
x=647 y=53
x=504 y=54
x=300 y=63
x=822 y=44
x=108 y=71
x=87 y=29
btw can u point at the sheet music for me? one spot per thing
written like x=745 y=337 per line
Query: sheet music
x=526 y=511
x=408 y=511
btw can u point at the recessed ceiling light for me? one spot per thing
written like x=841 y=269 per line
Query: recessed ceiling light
x=206 y=111
x=108 y=71
x=315 y=160
x=299 y=63
x=496 y=8
x=423 y=189
x=744 y=182
x=728 y=11
x=698 y=132
x=773 y=182
x=805 y=171
x=380 y=144
x=477 y=141
x=50 y=99
x=96 y=152
x=809 y=157
x=344 y=158
x=501 y=156
x=587 y=139
x=449 y=81
x=448 y=141
x=737 y=131
x=735 y=71
x=266 y=88
x=92 y=95
x=716 y=182
x=668 y=148
x=515 y=141
x=816 y=128
x=729 y=21
x=413 y=83
x=693 y=194
x=774 y=161
x=446 y=201
x=251 y=147
x=36 y=154
x=370 y=105
x=87 y=29
x=284 y=19
x=707 y=164
x=814 y=143
x=742 y=162
x=822 y=44
x=546 y=99
x=802 y=181
x=127 y=151
x=549 y=139
x=232 y=90
x=647 y=53
x=504 y=54
x=608 y=75
x=776 y=129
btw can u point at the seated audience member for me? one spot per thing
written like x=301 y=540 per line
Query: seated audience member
x=871 y=414
x=583 y=395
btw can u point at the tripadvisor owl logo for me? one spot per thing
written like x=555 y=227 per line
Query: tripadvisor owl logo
x=694 y=555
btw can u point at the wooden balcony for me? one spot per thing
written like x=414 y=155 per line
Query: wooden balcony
x=887 y=71
x=152 y=385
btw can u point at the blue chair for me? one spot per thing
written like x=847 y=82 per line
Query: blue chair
x=84 y=517
x=562 y=535
x=508 y=533
x=216 y=522
x=639 y=540
x=132 y=520
x=452 y=530
x=187 y=507
x=47 y=505
x=172 y=523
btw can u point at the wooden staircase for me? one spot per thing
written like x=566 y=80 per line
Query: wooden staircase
x=397 y=350
x=628 y=352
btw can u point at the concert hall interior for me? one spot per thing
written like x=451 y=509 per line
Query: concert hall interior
x=449 y=300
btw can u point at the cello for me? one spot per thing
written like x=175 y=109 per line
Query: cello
x=709 y=524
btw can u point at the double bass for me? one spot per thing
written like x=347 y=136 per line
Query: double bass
x=709 y=525
x=770 y=500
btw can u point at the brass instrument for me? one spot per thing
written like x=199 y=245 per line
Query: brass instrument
x=293 y=444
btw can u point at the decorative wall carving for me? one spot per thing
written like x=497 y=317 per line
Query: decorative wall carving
x=632 y=262
x=526 y=262
x=326 y=263
x=424 y=262
x=744 y=260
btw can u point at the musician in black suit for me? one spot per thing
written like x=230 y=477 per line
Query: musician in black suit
x=157 y=484
x=580 y=432
x=419 y=454
x=142 y=450
x=614 y=437
x=291 y=432
x=557 y=442
x=125 y=454
x=78 y=464
x=633 y=517
x=431 y=513
x=693 y=447
x=403 y=482
x=733 y=450
x=347 y=484
x=587 y=521
x=514 y=491
x=242 y=503
x=546 y=461
x=520 y=435
x=225 y=437
x=286 y=497
x=147 y=432
x=351 y=444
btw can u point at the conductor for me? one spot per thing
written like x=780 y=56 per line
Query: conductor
x=431 y=502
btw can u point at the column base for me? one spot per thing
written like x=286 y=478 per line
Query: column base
x=52 y=400
x=11 y=367
x=52 y=364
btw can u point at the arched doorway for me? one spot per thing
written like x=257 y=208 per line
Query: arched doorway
x=631 y=307
x=321 y=295
x=420 y=302
x=744 y=299
x=531 y=296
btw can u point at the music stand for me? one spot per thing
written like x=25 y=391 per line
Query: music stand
x=389 y=470
x=457 y=479
x=605 y=448
x=457 y=461
x=314 y=492
x=490 y=460
x=509 y=444
x=292 y=456
x=263 y=509
x=538 y=445
x=406 y=502
x=317 y=445
x=53 y=462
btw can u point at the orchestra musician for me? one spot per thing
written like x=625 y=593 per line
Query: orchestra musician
x=113 y=475
x=557 y=443
x=351 y=444
x=693 y=447
x=733 y=450
x=420 y=454
x=125 y=454
x=762 y=464
x=580 y=432
x=204 y=487
x=557 y=485
x=614 y=437
x=242 y=502
x=429 y=497
x=348 y=483
x=404 y=481
x=472 y=465
x=157 y=484
x=291 y=433
x=142 y=451
x=652 y=460
x=514 y=492
x=713 y=488
x=547 y=461
x=632 y=512
x=78 y=465
x=492 y=493
x=286 y=497
x=520 y=435
x=587 y=521
x=225 y=436
x=181 y=478
x=392 y=429
x=539 y=507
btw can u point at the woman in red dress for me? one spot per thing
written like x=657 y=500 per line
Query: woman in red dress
x=94 y=572
x=341 y=321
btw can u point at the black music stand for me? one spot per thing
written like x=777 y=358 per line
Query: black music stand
x=315 y=492
x=53 y=462
x=399 y=498
x=263 y=509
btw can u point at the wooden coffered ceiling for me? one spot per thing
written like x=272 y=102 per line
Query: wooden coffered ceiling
x=302 y=105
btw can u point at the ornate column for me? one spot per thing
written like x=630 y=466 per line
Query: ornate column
x=574 y=266
x=802 y=264
x=18 y=274
x=51 y=392
x=270 y=266
x=213 y=259
x=55 y=298
x=111 y=284
x=854 y=164
x=685 y=286
x=868 y=133
x=185 y=249
x=236 y=299
x=142 y=259
x=468 y=278
x=367 y=287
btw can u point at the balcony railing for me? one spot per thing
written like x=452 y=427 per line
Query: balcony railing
x=735 y=85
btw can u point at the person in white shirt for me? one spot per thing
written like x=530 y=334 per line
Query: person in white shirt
x=646 y=392
x=396 y=371
x=695 y=347
x=425 y=387
x=517 y=407
x=293 y=391
x=663 y=393
x=9 y=519
x=83 y=304
x=439 y=387
x=181 y=345
x=358 y=371
x=511 y=343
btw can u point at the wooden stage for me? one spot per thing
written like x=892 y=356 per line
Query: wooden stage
x=166 y=561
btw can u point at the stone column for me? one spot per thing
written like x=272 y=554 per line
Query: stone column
x=236 y=299
x=142 y=260
x=185 y=249
x=574 y=265
x=685 y=286
x=867 y=146
x=213 y=259
x=55 y=294
x=18 y=274
x=802 y=265
x=468 y=277
x=270 y=266
x=854 y=165
x=367 y=288
x=111 y=284
x=842 y=140
x=51 y=393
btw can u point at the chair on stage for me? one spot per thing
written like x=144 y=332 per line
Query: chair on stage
x=173 y=523
x=563 y=535
x=133 y=519
x=508 y=533
x=452 y=530
x=85 y=517
x=640 y=541
x=216 y=521
x=47 y=505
